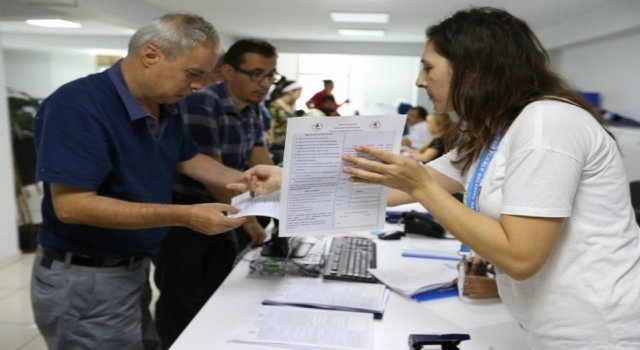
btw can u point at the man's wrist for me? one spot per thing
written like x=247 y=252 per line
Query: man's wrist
x=251 y=221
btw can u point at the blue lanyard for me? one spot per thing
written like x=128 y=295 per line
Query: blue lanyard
x=473 y=192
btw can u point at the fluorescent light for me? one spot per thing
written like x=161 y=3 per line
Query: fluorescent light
x=53 y=23
x=361 y=32
x=354 y=17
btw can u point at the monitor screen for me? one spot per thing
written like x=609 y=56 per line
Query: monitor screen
x=591 y=97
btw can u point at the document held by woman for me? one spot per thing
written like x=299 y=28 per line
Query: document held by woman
x=316 y=195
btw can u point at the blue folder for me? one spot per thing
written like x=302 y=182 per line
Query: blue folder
x=436 y=294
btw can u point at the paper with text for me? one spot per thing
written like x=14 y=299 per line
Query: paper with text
x=316 y=292
x=296 y=328
x=316 y=196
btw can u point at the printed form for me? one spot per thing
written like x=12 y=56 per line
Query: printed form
x=316 y=196
x=300 y=328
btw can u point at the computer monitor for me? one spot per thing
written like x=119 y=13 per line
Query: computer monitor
x=591 y=97
x=282 y=247
x=276 y=246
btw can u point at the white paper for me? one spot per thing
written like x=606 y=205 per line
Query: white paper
x=299 y=328
x=316 y=292
x=477 y=313
x=416 y=278
x=444 y=249
x=408 y=207
x=317 y=196
x=268 y=205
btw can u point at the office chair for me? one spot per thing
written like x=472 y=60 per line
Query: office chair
x=635 y=198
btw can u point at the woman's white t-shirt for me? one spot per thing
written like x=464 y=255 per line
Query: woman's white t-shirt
x=556 y=160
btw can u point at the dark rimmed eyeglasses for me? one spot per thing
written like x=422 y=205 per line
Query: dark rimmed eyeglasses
x=258 y=77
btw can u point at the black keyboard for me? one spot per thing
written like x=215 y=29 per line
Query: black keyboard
x=349 y=258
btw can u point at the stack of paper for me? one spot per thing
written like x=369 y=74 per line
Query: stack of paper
x=443 y=249
x=318 y=293
x=429 y=254
x=411 y=280
x=296 y=328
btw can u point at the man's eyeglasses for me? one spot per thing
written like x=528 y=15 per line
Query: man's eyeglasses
x=260 y=76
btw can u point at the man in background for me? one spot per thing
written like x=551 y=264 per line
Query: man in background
x=226 y=122
x=325 y=101
x=418 y=132
x=108 y=146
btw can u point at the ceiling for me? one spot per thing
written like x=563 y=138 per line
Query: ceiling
x=107 y=24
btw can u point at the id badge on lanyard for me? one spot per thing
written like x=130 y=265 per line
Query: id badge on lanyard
x=471 y=200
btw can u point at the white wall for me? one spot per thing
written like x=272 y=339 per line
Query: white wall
x=348 y=48
x=288 y=65
x=40 y=73
x=380 y=82
x=376 y=84
x=28 y=71
x=8 y=225
x=608 y=65
x=66 y=67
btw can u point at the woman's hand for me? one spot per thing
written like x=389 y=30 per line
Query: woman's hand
x=477 y=266
x=392 y=170
x=477 y=284
x=261 y=179
x=479 y=287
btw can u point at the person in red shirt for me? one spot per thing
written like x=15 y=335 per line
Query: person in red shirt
x=317 y=100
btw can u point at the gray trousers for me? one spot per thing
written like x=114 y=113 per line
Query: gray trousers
x=79 y=307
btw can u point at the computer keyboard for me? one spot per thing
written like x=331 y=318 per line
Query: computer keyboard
x=349 y=258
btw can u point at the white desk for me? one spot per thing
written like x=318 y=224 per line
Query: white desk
x=241 y=293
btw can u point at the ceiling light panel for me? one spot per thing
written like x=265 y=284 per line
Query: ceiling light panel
x=361 y=32
x=53 y=23
x=357 y=17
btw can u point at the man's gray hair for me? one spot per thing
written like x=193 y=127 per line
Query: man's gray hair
x=175 y=34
